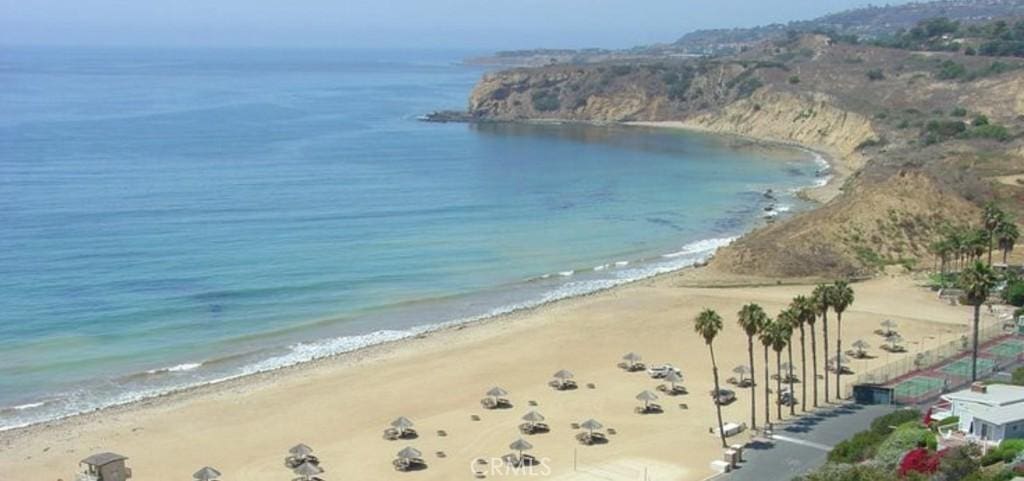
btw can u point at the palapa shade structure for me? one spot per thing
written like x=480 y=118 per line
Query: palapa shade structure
x=591 y=425
x=860 y=345
x=632 y=358
x=410 y=453
x=308 y=470
x=402 y=424
x=563 y=375
x=647 y=397
x=742 y=370
x=533 y=417
x=497 y=392
x=206 y=474
x=888 y=326
x=520 y=445
x=300 y=451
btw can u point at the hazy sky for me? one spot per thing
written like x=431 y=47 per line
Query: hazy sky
x=479 y=24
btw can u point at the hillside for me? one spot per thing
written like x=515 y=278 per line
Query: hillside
x=908 y=131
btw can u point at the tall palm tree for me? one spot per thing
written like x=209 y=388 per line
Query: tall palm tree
x=822 y=297
x=708 y=325
x=840 y=299
x=803 y=313
x=787 y=319
x=778 y=334
x=977 y=282
x=751 y=317
x=765 y=336
x=991 y=218
x=1007 y=236
x=811 y=319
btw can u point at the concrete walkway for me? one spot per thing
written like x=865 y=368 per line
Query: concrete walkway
x=803 y=443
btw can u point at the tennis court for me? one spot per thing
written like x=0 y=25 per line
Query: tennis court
x=1007 y=349
x=916 y=388
x=962 y=367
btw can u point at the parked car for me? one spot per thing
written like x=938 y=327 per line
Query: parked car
x=658 y=372
x=787 y=399
x=723 y=396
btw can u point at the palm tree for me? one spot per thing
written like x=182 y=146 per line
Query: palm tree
x=751 y=317
x=942 y=248
x=812 y=317
x=765 y=336
x=822 y=297
x=778 y=334
x=787 y=319
x=991 y=218
x=803 y=313
x=841 y=298
x=977 y=282
x=708 y=324
x=1007 y=236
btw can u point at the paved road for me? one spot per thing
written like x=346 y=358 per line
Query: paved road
x=803 y=444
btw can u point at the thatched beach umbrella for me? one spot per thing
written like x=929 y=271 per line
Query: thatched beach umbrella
x=520 y=445
x=632 y=358
x=894 y=340
x=533 y=417
x=742 y=370
x=647 y=397
x=402 y=424
x=673 y=378
x=563 y=376
x=308 y=470
x=206 y=474
x=591 y=425
x=301 y=451
x=888 y=327
x=497 y=393
x=860 y=345
x=410 y=453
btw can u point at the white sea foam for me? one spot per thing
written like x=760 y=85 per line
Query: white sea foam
x=601 y=267
x=566 y=273
x=188 y=366
x=81 y=401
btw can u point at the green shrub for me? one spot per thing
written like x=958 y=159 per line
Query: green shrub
x=994 y=132
x=1014 y=294
x=1006 y=452
x=979 y=121
x=875 y=74
x=747 y=87
x=903 y=439
x=958 y=112
x=794 y=79
x=545 y=101
x=886 y=424
x=857 y=448
x=950 y=70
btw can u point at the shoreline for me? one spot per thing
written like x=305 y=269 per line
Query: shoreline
x=419 y=331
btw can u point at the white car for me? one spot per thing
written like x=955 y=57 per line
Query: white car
x=658 y=372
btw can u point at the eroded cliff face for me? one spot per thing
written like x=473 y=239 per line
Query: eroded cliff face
x=896 y=195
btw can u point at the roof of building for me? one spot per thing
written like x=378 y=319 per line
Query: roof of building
x=103 y=459
x=999 y=415
x=994 y=395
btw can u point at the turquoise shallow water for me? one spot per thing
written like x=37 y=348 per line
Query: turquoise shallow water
x=177 y=217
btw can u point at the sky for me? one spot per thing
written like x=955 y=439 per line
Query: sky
x=434 y=24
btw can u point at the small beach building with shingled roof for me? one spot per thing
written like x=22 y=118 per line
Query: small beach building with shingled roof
x=104 y=467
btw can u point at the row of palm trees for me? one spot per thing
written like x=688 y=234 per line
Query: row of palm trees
x=960 y=246
x=776 y=335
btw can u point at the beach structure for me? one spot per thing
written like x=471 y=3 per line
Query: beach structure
x=409 y=459
x=860 y=349
x=104 y=467
x=309 y=472
x=519 y=446
x=888 y=328
x=534 y=423
x=743 y=371
x=986 y=413
x=649 y=407
x=563 y=380
x=496 y=399
x=631 y=362
x=206 y=474
x=592 y=436
x=894 y=343
x=672 y=388
x=401 y=428
x=298 y=454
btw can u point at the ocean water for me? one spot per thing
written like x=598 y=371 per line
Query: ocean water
x=179 y=217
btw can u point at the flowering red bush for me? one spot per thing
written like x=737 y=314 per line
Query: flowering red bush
x=919 y=461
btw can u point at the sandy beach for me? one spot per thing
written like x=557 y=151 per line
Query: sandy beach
x=341 y=406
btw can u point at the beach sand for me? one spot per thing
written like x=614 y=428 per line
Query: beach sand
x=340 y=406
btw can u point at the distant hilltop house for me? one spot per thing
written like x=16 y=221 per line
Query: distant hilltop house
x=104 y=467
x=987 y=413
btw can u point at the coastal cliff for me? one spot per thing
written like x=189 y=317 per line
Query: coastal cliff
x=879 y=114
